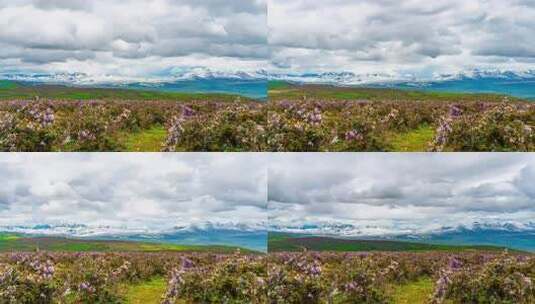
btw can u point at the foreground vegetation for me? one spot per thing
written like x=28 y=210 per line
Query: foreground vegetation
x=11 y=90
x=431 y=277
x=323 y=118
x=57 y=118
x=58 y=277
x=10 y=242
x=122 y=272
x=311 y=269
x=97 y=125
x=297 y=118
x=283 y=242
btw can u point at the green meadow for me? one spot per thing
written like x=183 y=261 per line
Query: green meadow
x=10 y=90
x=22 y=243
x=283 y=242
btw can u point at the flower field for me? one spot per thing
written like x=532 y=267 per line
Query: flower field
x=98 y=125
x=305 y=277
x=326 y=118
x=306 y=118
x=104 y=277
x=372 y=277
x=353 y=125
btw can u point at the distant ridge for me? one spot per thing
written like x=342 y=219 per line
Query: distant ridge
x=520 y=236
x=351 y=78
x=279 y=242
x=171 y=75
x=237 y=235
x=24 y=243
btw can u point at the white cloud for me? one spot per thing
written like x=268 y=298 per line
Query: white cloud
x=374 y=193
x=140 y=40
x=132 y=38
x=150 y=192
x=400 y=192
x=401 y=37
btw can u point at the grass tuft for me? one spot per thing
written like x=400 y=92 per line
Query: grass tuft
x=413 y=141
x=150 y=140
x=418 y=292
x=147 y=292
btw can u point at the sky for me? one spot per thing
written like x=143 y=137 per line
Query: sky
x=132 y=193
x=138 y=40
x=402 y=39
x=357 y=194
x=376 y=194
x=112 y=40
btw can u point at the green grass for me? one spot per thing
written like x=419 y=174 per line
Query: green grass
x=150 y=140
x=13 y=90
x=7 y=85
x=145 y=293
x=10 y=242
x=278 y=242
x=278 y=85
x=413 y=141
x=417 y=292
x=280 y=91
x=8 y=236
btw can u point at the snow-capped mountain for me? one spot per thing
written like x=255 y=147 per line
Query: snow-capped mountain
x=206 y=73
x=82 y=230
x=497 y=226
x=192 y=80
x=341 y=229
x=352 y=230
x=338 y=78
x=482 y=74
x=199 y=73
x=351 y=78
x=515 y=235
x=170 y=75
x=511 y=235
x=208 y=233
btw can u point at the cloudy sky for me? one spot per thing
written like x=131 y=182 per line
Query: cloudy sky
x=380 y=194
x=132 y=192
x=131 y=39
x=399 y=38
x=373 y=193
x=143 y=40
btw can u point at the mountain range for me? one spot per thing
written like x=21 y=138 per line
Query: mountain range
x=519 y=236
x=239 y=235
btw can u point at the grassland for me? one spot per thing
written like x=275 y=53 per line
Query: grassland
x=415 y=140
x=149 y=140
x=97 y=271
x=345 y=272
x=22 y=243
x=297 y=118
x=10 y=90
x=336 y=270
x=278 y=90
x=149 y=292
x=282 y=242
x=417 y=292
x=323 y=118
x=53 y=118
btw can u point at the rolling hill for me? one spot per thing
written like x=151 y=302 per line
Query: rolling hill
x=278 y=242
